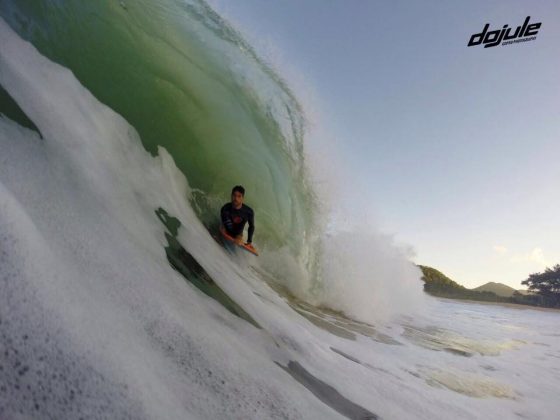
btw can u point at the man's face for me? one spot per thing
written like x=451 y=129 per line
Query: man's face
x=236 y=198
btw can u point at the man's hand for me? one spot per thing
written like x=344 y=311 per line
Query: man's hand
x=239 y=240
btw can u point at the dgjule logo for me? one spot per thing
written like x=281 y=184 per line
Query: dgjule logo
x=504 y=36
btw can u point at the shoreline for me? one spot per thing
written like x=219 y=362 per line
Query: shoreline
x=506 y=304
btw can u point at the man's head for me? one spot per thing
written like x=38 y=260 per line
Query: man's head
x=237 y=195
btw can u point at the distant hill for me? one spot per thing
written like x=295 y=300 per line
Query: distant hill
x=438 y=284
x=498 y=288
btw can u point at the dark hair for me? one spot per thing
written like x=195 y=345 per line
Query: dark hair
x=238 y=188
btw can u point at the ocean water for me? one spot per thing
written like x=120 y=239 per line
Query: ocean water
x=123 y=127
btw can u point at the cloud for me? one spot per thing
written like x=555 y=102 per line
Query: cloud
x=536 y=256
x=500 y=249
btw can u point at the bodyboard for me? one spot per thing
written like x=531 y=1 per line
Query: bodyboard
x=231 y=239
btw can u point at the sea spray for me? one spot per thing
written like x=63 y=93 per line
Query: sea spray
x=367 y=276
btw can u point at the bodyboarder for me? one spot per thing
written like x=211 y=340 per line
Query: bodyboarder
x=235 y=215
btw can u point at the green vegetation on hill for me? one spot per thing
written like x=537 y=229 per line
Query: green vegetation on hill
x=545 y=287
x=438 y=284
x=498 y=288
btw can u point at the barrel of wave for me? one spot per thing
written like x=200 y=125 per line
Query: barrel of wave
x=186 y=80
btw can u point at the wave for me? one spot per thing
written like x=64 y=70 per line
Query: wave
x=188 y=82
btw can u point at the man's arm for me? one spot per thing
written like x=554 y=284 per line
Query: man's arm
x=226 y=218
x=251 y=220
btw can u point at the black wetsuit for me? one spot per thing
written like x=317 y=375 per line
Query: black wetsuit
x=234 y=220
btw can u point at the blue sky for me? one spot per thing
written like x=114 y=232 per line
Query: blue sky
x=453 y=149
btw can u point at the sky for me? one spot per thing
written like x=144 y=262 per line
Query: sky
x=454 y=150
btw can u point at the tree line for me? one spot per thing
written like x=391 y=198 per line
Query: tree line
x=544 y=288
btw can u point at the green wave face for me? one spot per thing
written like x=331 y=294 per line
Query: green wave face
x=187 y=81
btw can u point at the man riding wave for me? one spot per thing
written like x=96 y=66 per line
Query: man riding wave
x=235 y=215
